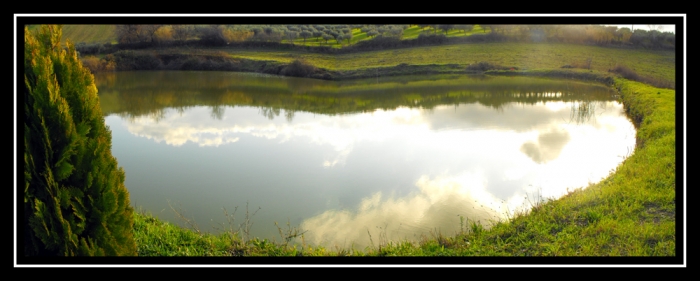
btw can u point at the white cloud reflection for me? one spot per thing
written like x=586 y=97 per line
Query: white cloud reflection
x=462 y=135
x=465 y=161
x=340 y=132
x=437 y=206
x=548 y=146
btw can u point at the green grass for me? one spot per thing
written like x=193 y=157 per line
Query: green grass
x=411 y=32
x=630 y=213
x=89 y=33
x=522 y=56
x=357 y=35
x=157 y=238
x=414 y=31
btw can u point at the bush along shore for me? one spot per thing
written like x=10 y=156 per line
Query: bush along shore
x=632 y=212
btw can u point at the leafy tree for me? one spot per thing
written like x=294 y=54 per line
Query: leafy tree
x=334 y=33
x=317 y=34
x=446 y=27
x=623 y=34
x=305 y=34
x=465 y=27
x=215 y=35
x=164 y=33
x=327 y=37
x=130 y=33
x=338 y=37
x=291 y=35
x=552 y=32
x=149 y=32
x=181 y=32
x=134 y=33
x=396 y=32
x=75 y=201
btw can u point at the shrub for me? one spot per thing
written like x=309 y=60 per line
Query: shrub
x=630 y=74
x=432 y=38
x=482 y=66
x=130 y=60
x=299 y=68
x=75 y=201
x=92 y=63
x=89 y=49
x=626 y=72
x=96 y=65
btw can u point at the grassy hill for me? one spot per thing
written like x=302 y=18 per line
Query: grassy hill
x=89 y=33
x=92 y=33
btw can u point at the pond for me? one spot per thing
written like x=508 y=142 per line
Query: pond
x=389 y=158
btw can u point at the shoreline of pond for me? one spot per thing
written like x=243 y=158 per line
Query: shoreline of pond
x=582 y=211
x=301 y=69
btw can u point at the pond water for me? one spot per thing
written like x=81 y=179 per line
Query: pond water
x=391 y=158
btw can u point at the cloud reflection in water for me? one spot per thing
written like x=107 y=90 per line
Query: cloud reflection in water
x=436 y=207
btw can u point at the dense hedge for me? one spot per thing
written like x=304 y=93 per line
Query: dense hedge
x=75 y=201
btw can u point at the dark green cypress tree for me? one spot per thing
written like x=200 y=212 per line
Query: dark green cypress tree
x=75 y=201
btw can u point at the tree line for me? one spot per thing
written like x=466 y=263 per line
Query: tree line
x=227 y=34
x=587 y=34
x=370 y=37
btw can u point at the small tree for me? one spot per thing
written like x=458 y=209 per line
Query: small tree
x=317 y=34
x=164 y=33
x=465 y=27
x=129 y=33
x=291 y=35
x=338 y=37
x=327 y=37
x=212 y=35
x=396 y=32
x=446 y=27
x=305 y=34
x=181 y=32
x=149 y=32
x=75 y=201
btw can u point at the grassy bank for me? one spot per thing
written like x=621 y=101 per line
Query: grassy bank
x=630 y=213
x=652 y=67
